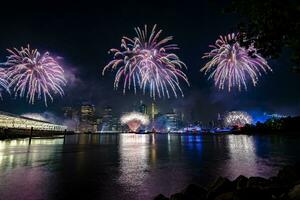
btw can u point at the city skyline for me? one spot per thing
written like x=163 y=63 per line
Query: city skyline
x=276 y=93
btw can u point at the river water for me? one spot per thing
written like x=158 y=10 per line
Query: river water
x=130 y=166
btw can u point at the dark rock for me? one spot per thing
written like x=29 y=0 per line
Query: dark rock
x=297 y=182
x=177 y=196
x=222 y=185
x=288 y=175
x=274 y=180
x=240 y=182
x=284 y=186
x=276 y=191
x=258 y=182
x=225 y=196
x=252 y=194
x=194 y=192
x=294 y=194
x=277 y=188
x=160 y=197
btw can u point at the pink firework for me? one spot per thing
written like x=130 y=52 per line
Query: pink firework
x=134 y=120
x=145 y=62
x=231 y=64
x=34 y=75
x=3 y=81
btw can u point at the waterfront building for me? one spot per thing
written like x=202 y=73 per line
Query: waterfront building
x=8 y=120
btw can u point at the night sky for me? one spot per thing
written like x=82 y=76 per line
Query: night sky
x=82 y=34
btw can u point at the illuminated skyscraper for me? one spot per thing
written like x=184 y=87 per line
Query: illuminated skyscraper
x=219 y=122
x=107 y=119
x=71 y=118
x=88 y=121
x=143 y=108
x=154 y=111
x=171 y=121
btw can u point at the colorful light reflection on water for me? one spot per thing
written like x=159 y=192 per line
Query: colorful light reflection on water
x=131 y=166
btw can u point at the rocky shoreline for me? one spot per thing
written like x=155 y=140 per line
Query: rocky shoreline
x=284 y=186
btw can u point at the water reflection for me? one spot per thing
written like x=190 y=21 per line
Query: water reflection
x=194 y=143
x=20 y=167
x=18 y=153
x=136 y=166
x=242 y=156
x=94 y=139
x=134 y=157
x=26 y=183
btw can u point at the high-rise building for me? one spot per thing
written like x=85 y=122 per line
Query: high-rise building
x=87 y=112
x=68 y=112
x=71 y=118
x=180 y=118
x=219 y=122
x=107 y=110
x=143 y=108
x=171 y=121
x=115 y=124
x=107 y=119
x=88 y=120
x=153 y=112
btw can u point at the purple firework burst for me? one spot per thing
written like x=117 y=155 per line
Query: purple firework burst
x=145 y=62
x=3 y=81
x=34 y=75
x=231 y=64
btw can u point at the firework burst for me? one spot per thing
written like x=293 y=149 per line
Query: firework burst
x=3 y=81
x=34 y=75
x=237 y=118
x=145 y=62
x=134 y=120
x=232 y=64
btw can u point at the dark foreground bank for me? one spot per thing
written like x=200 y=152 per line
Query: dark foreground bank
x=284 y=186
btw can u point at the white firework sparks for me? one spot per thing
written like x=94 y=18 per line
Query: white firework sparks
x=237 y=118
x=3 y=81
x=231 y=64
x=146 y=62
x=134 y=120
x=34 y=75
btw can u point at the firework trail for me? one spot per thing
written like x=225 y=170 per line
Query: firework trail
x=145 y=62
x=237 y=118
x=34 y=75
x=3 y=81
x=231 y=64
x=134 y=120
